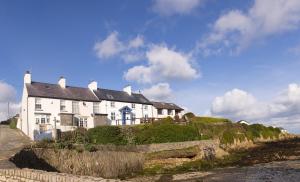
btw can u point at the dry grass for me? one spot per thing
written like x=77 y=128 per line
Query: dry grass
x=107 y=164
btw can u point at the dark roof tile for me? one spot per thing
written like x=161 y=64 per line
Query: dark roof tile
x=164 y=105
x=47 y=90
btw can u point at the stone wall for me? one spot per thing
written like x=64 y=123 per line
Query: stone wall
x=24 y=175
x=178 y=145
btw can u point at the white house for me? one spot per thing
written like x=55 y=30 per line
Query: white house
x=50 y=107
x=163 y=110
x=243 y=122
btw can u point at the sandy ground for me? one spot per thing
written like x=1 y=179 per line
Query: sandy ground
x=274 y=171
x=11 y=141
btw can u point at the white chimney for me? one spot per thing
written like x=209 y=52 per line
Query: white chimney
x=127 y=89
x=27 y=77
x=93 y=85
x=62 y=82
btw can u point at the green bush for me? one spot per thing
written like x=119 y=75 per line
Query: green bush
x=106 y=135
x=13 y=123
x=189 y=115
x=166 y=132
x=210 y=120
x=78 y=136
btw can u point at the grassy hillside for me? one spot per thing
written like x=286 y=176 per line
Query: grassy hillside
x=167 y=130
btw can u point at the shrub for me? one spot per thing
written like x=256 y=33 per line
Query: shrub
x=78 y=136
x=106 y=135
x=13 y=123
x=166 y=132
x=210 y=120
x=189 y=115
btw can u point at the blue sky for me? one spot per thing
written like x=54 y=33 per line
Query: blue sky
x=236 y=59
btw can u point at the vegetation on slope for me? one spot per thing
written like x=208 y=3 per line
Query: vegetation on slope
x=167 y=130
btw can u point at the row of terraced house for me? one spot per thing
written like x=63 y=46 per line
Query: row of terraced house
x=58 y=107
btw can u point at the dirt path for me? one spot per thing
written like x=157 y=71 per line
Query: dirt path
x=274 y=171
x=11 y=141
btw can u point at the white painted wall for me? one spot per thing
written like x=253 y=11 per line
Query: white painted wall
x=139 y=111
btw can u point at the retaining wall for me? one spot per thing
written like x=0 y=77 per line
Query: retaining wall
x=25 y=175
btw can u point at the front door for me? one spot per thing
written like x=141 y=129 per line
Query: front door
x=124 y=118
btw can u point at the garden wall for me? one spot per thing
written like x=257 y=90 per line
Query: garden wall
x=24 y=175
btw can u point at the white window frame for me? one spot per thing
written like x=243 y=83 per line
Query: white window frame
x=38 y=104
x=42 y=119
x=112 y=104
x=133 y=105
x=160 y=113
x=82 y=122
x=96 y=107
x=145 y=107
x=75 y=107
x=63 y=105
x=113 y=116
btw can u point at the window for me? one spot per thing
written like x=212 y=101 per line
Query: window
x=133 y=117
x=38 y=105
x=112 y=104
x=96 y=107
x=42 y=120
x=170 y=112
x=62 y=105
x=113 y=116
x=75 y=107
x=133 y=106
x=159 y=111
x=82 y=122
x=145 y=107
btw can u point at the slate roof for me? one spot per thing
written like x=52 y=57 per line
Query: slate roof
x=47 y=90
x=164 y=105
x=114 y=95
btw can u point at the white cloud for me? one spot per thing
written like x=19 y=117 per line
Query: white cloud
x=136 y=42
x=112 y=46
x=237 y=29
x=171 y=7
x=109 y=47
x=158 y=92
x=7 y=95
x=163 y=64
x=238 y=104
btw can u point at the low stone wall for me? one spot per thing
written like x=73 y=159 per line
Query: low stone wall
x=24 y=175
x=178 y=145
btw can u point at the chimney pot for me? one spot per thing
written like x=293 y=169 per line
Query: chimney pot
x=27 y=77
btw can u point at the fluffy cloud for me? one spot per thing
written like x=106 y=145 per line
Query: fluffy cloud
x=163 y=64
x=112 y=46
x=237 y=104
x=109 y=47
x=171 y=7
x=158 y=92
x=136 y=42
x=7 y=94
x=237 y=29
